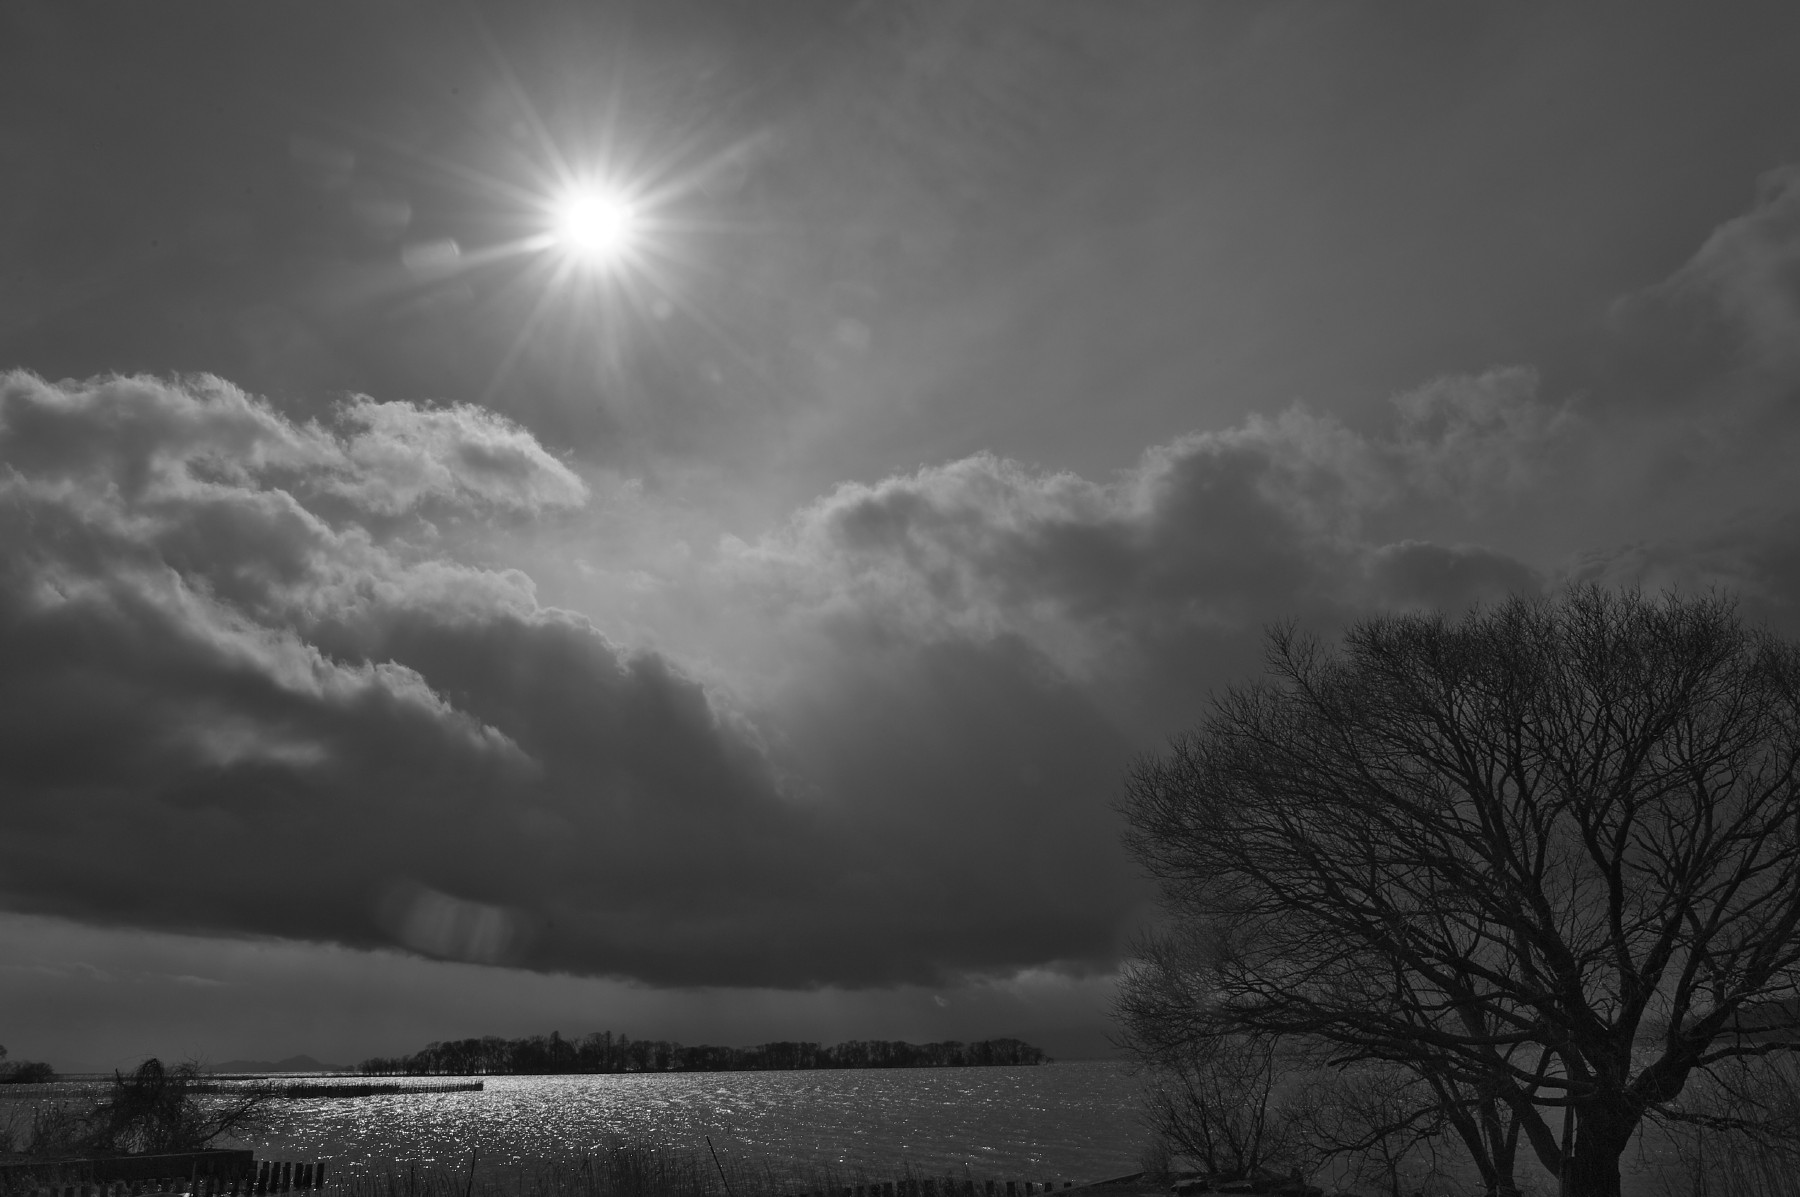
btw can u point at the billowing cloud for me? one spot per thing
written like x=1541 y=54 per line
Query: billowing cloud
x=1204 y=541
x=242 y=657
x=266 y=676
x=249 y=685
x=236 y=700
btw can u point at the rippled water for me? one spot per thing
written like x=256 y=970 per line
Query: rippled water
x=1076 y=1121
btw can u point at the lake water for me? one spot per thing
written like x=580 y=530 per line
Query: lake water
x=1068 y=1121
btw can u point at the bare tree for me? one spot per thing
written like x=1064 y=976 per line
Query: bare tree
x=24 y=1072
x=1378 y=1119
x=1215 y=1102
x=1546 y=857
x=1737 y=1130
x=149 y=1111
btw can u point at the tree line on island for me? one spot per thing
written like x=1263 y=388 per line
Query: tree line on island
x=24 y=1072
x=605 y=1052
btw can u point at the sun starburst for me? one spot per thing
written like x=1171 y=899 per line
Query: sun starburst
x=595 y=224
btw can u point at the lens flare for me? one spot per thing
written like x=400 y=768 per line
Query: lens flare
x=596 y=225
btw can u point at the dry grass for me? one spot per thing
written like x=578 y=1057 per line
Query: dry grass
x=635 y=1169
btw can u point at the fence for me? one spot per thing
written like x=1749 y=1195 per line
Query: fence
x=298 y=1089
x=929 y=1187
x=201 y=1174
x=237 y=1174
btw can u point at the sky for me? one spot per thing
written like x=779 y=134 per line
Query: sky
x=424 y=616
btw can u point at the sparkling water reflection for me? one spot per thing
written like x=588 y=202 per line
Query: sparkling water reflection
x=1077 y=1121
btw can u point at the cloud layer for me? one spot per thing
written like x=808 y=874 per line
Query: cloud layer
x=245 y=689
x=269 y=677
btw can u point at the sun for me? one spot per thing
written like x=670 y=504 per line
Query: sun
x=595 y=224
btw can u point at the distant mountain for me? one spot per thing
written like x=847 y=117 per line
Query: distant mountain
x=291 y=1064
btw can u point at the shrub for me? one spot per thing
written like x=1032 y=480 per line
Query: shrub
x=152 y=1110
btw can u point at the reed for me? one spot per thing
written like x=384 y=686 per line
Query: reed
x=642 y=1169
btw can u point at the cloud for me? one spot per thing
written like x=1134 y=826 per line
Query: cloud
x=243 y=658
x=976 y=651
x=240 y=694
x=1208 y=537
x=1482 y=439
x=253 y=679
x=1749 y=271
x=399 y=456
x=248 y=685
x=1695 y=424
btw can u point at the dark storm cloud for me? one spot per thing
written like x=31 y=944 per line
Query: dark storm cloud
x=977 y=650
x=1140 y=594
x=241 y=695
x=1152 y=587
x=250 y=687
x=1207 y=536
x=253 y=678
x=1696 y=428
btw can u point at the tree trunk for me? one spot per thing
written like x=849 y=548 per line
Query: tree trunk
x=1594 y=1168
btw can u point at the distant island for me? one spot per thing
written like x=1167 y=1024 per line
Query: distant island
x=603 y=1052
x=24 y=1072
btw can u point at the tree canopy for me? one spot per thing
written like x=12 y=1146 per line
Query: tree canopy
x=152 y=1110
x=603 y=1052
x=24 y=1072
x=1544 y=857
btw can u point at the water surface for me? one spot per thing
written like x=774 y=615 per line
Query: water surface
x=1068 y=1121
